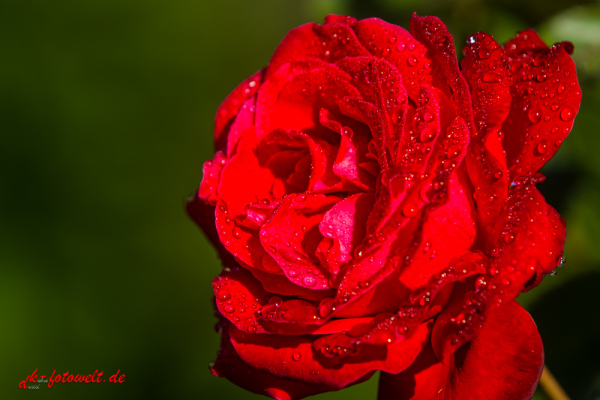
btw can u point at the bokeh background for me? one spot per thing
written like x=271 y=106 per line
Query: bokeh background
x=106 y=112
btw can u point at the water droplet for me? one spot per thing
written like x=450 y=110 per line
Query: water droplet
x=401 y=46
x=542 y=147
x=309 y=281
x=566 y=114
x=484 y=53
x=427 y=116
x=223 y=295
x=561 y=261
x=412 y=61
x=480 y=283
x=228 y=308
x=326 y=307
x=509 y=238
x=561 y=89
x=490 y=77
x=426 y=135
x=409 y=210
x=276 y=301
x=535 y=114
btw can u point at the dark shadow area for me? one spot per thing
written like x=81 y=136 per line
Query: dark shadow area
x=569 y=322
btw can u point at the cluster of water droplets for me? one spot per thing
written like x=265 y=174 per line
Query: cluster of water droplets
x=547 y=87
x=235 y=302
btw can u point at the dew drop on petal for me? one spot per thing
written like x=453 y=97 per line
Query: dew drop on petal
x=228 y=309
x=426 y=135
x=542 y=147
x=535 y=115
x=509 y=238
x=309 y=281
x=490 y=77
x=484 y=53
x=223 y=295
x=566 y=114
x=409 y=210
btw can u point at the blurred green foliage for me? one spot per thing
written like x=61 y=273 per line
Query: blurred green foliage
x=106 y=111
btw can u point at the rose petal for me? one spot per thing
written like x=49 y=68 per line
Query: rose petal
x=293 y=357
x=397 y=46
x=416 y=148
x=425 y=379
x=352 y=151
x=232 y=367
x=292 y=235
x=488 y=73
x=381 y=87
x=239 y=296
x=414 y=308
x=432 y=32
x=294 y=94
x=228 y=110
x=211 y=173
x=242 y=242
x=345 y=224
x=447 y=232
x=391 y=234
x=243 y=179
x=329 y=42
x=280 y=284
x=386 y=296
x=243 y=122
x=521 y=245
x=546 y=98
x=555 y=244
x=504 y=361
x=241 y=299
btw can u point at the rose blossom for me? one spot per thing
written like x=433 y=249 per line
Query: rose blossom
x=374 y=207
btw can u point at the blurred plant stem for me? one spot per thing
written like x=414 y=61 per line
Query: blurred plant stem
x=551 y=387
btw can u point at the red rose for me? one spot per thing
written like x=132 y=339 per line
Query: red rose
x=375 y=208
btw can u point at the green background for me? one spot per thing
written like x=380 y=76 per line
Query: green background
x=106 y=111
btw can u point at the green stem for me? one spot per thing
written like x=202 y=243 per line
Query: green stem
x=551 y=386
